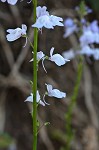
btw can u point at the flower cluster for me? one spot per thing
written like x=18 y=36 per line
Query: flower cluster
x=86 y=50
x=89 y=36
x=44 y=19
x=73 y=25
x=38 y=100
x=56 y=58
x=50 y=92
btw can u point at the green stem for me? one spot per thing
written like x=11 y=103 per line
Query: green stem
x=35 y=80
x=69 y=132
x=30 y=43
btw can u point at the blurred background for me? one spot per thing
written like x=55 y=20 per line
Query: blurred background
x=16 y=72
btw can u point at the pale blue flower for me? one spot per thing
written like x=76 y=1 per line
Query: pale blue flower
x=38 y=100
x=15 y=34
x=87 y=38
x=12 y=2
x=45 y=20
x=40 y=55
x=70 y=27
x=83 y=21
x=90 y=34
x=70 y=54
x=56 y=21
x=57 y=58
x=90 y=52
x=69 y=22
x=41 y=11
x=94 y=26
x=86 y=50
x=54 y=92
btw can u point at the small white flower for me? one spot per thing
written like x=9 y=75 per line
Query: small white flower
x=70 y=54
x=69 y=31
x=94 y=26
x=90 y=34
x=57 y=58
x=3 y=0
x=83 y=21
x=56 y=21
x=69 y=22
x=86 y=50
x=30 y=99
x=15 y=34
x=40 y=55
x=87 y=38
x=12 y=2
x=54 y=92
x=45 y=20
x=70 y=27
x=41 y=11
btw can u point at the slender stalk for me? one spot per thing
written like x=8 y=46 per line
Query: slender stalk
x=35 y=80
x=69 y=132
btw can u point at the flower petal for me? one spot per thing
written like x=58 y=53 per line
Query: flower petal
x=14 y=34
x=49 y=88
x=56 y=93
x=12 y=2
x=40 y=55
x=51 y=51
x=30 y=99
x=43 y=21
x=41 y=11
x=58 y=59
x=56 y=20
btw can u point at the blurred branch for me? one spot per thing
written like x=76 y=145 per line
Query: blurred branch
x=64 y=12
x=2 y=110
x=17 y=81
x=88 y=97
x=6 y=47
x=8 y=17
x=16 y=14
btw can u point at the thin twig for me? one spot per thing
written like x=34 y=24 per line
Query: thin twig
x=88 y=97
x=6 y=47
